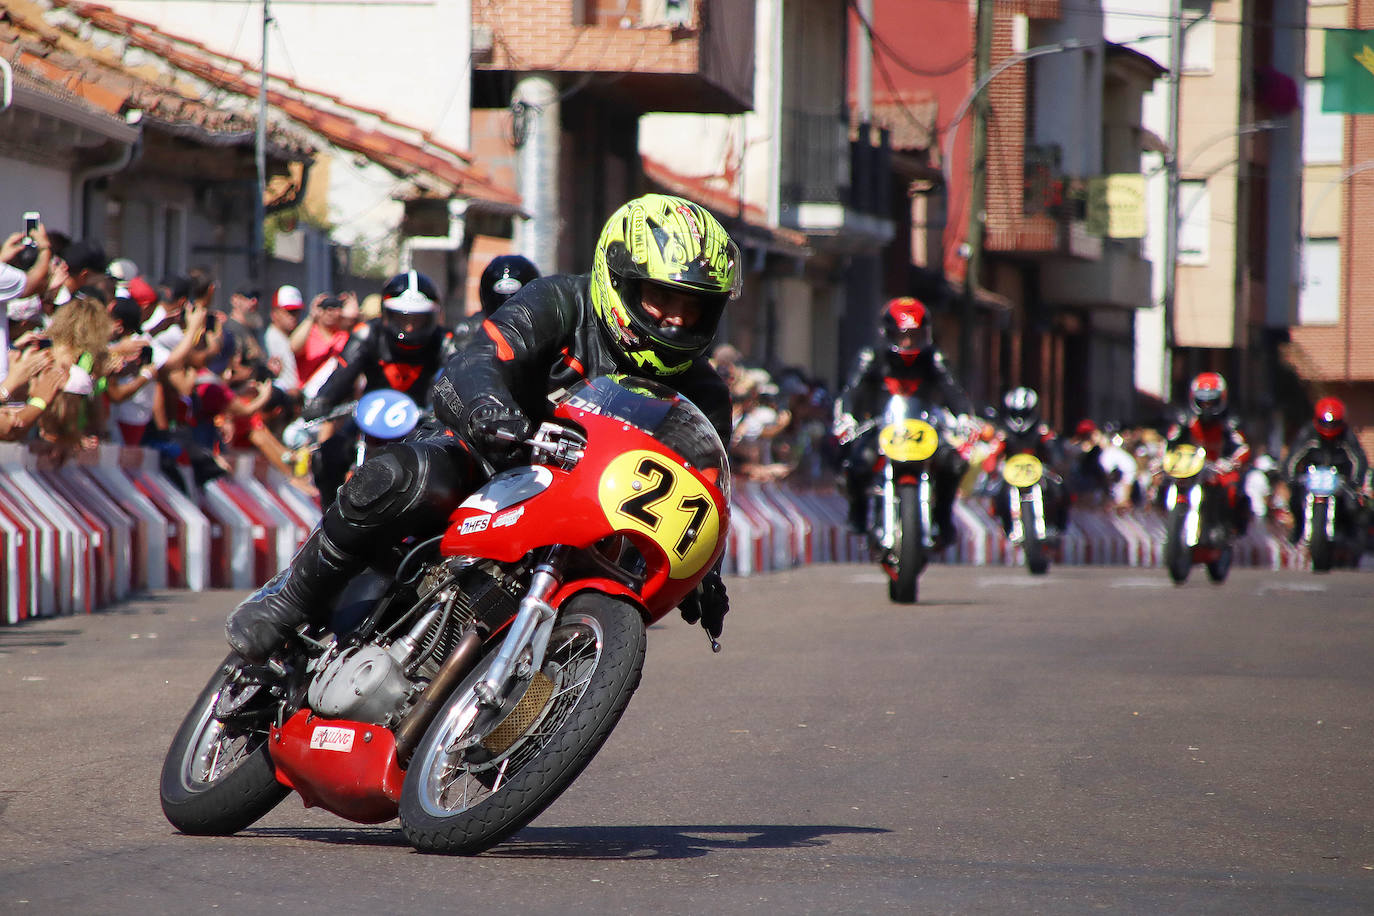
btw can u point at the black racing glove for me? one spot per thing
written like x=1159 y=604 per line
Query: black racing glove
x=499 y=432
x=708 y=603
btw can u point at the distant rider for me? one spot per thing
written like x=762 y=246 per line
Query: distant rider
x=909 y=364
x=1021 y=432
x=504 y=276
x=1328 y=441
x=1208 y=425
x=402 y=349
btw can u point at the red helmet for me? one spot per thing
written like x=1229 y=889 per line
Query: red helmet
x=906 y=326
x=1329 y=418
x=1207 y=395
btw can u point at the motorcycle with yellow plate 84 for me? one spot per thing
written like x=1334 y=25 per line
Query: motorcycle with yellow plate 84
x=901 y=498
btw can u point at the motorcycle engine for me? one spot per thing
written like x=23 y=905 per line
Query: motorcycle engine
x=362 y=683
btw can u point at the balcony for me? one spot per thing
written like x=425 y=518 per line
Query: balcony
x=1119 y=278
x=643 y=55
x=832 y=187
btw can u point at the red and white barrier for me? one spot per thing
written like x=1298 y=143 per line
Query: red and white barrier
x=77 y=538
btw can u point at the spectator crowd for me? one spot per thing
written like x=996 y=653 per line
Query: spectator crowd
x=96 y=351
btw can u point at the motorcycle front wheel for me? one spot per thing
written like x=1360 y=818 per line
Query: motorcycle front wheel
x=909 y=550
x=217 y=777
x=479 y=775
x=1318 y=545
x=1178 y=555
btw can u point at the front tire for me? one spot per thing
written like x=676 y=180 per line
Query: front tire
x=909 y=551
x=217 y=777
x=1178 y=555
x=476 y=778
x=1037 y=556
x=1318 y=545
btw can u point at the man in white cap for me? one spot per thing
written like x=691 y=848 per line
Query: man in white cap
x=281 y=359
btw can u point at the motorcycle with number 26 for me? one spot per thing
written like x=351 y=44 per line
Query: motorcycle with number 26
x=472 y=686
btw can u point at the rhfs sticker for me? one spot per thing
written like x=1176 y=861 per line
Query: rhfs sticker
x=475 y=524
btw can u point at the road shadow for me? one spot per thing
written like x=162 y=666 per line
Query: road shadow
x=667 y=841
x=342 y=836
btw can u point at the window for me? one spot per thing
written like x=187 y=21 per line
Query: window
x=1199 y=45
x=1194 y=222
x=1323 y=134
x=1319 y=298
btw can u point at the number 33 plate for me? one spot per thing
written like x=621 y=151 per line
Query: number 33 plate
x=643 y=491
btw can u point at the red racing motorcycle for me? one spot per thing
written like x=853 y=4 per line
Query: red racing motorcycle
x=466 y=692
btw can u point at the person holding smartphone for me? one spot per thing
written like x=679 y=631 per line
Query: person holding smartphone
x=16 y=282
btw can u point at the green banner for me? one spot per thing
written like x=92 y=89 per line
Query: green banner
x=1348 y=86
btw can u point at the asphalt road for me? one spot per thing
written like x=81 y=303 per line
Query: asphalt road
x=1097 y=740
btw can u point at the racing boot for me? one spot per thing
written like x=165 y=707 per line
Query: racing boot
x=303 y=592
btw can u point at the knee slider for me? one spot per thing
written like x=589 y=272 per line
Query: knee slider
x=379 y=488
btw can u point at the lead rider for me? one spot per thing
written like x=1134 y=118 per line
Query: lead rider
x=662 y=273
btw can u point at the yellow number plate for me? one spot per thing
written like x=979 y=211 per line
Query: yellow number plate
x=1022 y=470
x=910 y=440
x=1184 y=461
x=645 y=492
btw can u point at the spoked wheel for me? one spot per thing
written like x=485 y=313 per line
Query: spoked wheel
x=1177 y=554
x=908 y=549
x=479 y=774
x=217 y=777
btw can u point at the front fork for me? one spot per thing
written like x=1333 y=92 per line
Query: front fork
x=1192 y=525
x=530 y=630
x=1309 y=502
x=1035 y=496
x=888 y=540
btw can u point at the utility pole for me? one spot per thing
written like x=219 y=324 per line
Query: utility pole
x=982 y=59
x=1171 y=202
x=258 y=260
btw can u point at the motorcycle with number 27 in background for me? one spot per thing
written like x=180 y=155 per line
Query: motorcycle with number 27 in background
x=467 y=690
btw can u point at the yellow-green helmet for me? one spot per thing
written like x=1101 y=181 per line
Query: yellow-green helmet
x=678 y=244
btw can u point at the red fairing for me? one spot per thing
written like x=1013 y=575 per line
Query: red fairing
x=345 y=767
x=569 y=511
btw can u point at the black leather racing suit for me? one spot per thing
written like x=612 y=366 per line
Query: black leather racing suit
x=1347 y=457
x=876 y=377
x=544 y=339
x=372 y=354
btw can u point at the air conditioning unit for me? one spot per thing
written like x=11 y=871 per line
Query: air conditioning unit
x=667 y=13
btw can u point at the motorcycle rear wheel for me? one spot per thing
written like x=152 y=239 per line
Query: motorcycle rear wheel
x=217 y=780
x=1317 y=543
x=1178 y=556
x=909 y=550
x=455 y=801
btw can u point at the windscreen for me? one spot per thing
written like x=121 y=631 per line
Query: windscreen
x=662 y=413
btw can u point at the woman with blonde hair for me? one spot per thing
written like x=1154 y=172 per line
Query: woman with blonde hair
x=80 y=335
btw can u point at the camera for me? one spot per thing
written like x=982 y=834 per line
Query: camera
x=145 y=356
x=210 y=321
x=31 y=226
